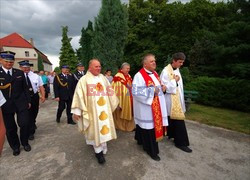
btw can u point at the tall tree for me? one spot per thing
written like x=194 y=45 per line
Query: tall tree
x=110 y=33
x=85 y=52
x=67 y=54
x=40 y=63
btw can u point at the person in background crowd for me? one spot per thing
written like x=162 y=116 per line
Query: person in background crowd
x=108 y=75
x=79 y=71
x=51 y=78
x=64 y=87
x=45 y=83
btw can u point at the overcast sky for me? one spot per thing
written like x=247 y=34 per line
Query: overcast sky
x=42 y=21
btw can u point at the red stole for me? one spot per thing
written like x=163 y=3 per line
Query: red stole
x=156 y=107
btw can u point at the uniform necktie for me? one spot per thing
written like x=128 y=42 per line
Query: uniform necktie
x=8 y=75
x=8 y=72
x=29 y=85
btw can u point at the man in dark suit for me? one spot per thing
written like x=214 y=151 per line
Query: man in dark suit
x=64 y=87
x=79 y=71
x=35 y=86
x=15 y=90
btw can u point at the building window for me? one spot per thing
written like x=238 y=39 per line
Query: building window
x=34 y=55
x=27 y=54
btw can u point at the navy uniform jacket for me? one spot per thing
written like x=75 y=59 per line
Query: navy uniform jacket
x=64 y=88
x=17 y=95
x=77 y=75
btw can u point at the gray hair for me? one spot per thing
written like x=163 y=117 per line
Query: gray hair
x=146 y=57
x=95 y=59
x=125 y=64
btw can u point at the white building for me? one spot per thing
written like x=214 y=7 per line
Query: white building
x=25 y=50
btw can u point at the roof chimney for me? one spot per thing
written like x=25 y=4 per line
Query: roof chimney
x=31 y=41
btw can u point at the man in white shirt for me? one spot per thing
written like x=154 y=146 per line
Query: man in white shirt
x=51 y=78
x=35 y=85
x=171 y=77
x=150 y=113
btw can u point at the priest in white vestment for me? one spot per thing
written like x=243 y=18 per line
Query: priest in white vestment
x=93 y=103
x=150 y=113
x=171 y=78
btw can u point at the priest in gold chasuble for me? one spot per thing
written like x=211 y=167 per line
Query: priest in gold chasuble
x=122 y=84
x=93 y=103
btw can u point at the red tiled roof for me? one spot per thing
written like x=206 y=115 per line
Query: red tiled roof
x=14 y=40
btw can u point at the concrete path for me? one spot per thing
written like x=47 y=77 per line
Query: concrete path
x=59 y=152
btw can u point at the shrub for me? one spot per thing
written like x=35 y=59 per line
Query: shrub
x=222 y=92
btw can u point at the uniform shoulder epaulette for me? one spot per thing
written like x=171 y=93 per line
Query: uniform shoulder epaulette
x=60 y=82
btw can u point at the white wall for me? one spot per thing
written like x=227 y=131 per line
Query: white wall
x=47 y=67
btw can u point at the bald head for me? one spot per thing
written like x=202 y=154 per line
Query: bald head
x=95 y=67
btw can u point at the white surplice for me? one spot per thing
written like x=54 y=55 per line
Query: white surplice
x=142 y=101
x=171 y=88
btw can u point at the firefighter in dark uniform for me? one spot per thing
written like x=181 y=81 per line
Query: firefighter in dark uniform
x=79 y=71
x=15 y=90
x=64 y=87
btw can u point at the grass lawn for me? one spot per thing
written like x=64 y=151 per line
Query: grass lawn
x=229 y=119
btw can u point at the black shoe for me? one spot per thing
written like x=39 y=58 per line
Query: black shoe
x=16 y=152
x=72 y=122
x=185 y=148
x=100 y=158
x=35 y=127
x=27 y=148
x=58 y=120
x=156 y=158
x=31 y=137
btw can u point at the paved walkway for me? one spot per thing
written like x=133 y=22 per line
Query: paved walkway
x=59 y=152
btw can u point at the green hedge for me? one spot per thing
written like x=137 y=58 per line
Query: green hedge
x=222 y=92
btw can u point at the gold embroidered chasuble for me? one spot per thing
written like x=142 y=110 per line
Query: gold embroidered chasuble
x=123 y=118
x=96 y=99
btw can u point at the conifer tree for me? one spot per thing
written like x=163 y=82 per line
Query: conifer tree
x=40 y=63
x=110 y=33
x=85 y=52
x=67 y=54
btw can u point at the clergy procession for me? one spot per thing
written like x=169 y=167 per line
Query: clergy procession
x=150 y=105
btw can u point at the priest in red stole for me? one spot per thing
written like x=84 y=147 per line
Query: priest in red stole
x=122 y=84
x=150 y=112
